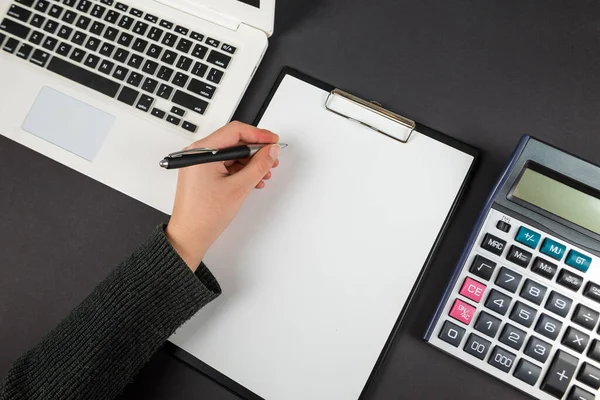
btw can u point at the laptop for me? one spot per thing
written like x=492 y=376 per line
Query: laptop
x=109 y=87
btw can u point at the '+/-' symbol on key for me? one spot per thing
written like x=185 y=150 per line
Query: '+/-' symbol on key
x=464 y=312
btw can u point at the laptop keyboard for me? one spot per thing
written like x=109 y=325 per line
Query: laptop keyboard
x=148 y=63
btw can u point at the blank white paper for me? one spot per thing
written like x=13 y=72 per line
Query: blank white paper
x=317 y=267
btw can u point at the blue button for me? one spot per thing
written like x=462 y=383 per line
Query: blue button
x=578 y=260
x=528 y=237
x=553 y=249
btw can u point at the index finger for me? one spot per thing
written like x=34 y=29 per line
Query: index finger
x=234 y=133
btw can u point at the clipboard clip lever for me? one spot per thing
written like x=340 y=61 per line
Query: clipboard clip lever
x=375 y=108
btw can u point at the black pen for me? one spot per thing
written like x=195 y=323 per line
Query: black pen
x=188 y=158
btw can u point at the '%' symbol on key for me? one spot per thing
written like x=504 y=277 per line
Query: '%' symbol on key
x=464 y=312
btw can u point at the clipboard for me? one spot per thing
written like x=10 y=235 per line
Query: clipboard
x=195 y=341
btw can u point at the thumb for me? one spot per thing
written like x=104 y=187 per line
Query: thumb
x=258 y=167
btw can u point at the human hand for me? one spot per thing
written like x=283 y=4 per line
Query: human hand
x=209 y=196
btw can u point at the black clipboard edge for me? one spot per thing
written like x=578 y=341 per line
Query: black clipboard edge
x=247 y=394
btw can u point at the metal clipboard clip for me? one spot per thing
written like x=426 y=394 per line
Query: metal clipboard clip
x=375 y=108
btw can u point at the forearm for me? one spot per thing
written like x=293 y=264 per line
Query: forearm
x=105 y=341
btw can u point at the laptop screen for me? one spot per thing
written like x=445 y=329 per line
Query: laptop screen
x=254 y=3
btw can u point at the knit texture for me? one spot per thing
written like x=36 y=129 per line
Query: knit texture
x=97 y=350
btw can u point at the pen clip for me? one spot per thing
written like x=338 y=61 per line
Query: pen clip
x=192 y=151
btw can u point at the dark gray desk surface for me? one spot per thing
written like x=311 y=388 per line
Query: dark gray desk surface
x=484 y=72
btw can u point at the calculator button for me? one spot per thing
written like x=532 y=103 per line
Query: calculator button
x=594 y=351
x=527 y=371
x=592 y=291
x=575 y=340
x=544 y=268
x=451 y=333
x=533 y=292
x=477 y=346
x=501 y=359
x=578 y=393
x=528 y=237
x=508 y=279
x=569 y=280
x=493 y=244
x=462 y=311
x=538 y=349
x=512 y=337
x=519 y=256
x=482 y=267
x=585 y=317
x=558 y=304
x=498 y=302
x=548 y=326
x=503 y=226
x=472 y=290
x=589 y=375
x=579 y=261
x=523 y=314
x=488 y=325
x=553 y=249
x=560 y=374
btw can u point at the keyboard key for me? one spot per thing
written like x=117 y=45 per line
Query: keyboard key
x=184 y=63
x=107 y=2
x=155 y=34
x=140 y=28
x=212 y=42
x=498 y=302
x=173 y=120
x=106 y=67
x=112 y=16
x=107 y=49
x=512 y=336
x=585 y=317
x=553 y=249
x=84 y=5
x=39 y=58
x=154 y=51
x=169 y=57
x=501 y=359
x=136 y=12
x=50 y=43
x=544 y=268
x=83 y=22
x=169 y=39
x=91 y=61
x=477 y=346
x=180 y=112
x=121 y=55
x=569 y=280
x=140 y=45
x=200 y=69
x=166 y=24
x=508 y=279
x=181 y=30
x=97 y=28
x=28 y=3
x=519 y=256
x=184 y=45
x=145 y=103
x=533 y=291
x=560 y=374
x=65 y=32
x=120 y=73
x=42 y=6
x=64 y=49
x=527 y=371
x=121 y=6
x=19 y=13
x=69 y=17
x=36 y=37
x=165 y=73
x=594 y=351
x=2 y=37
x=451 y=333
x=493 y=244
x=538 y=349
x=558 y=304
x=199 y=51
x=523 y=314
x=487 y=324
x=165 y=91
x=219 y=59
x=77 y=55
x=125 y=39
x=150 y=67
x=589 y=375
x=578 y=393
x=98 y=11
x=11 y=45
x=135 y=61
x=204 y=90
x=79 y=38
x=528 y=237
x=51 y=26
x=188 y=126
x=14 y=28
x=197 y=36
x=190 y=102
x=482 y=267
x=548 y=327
x=578 y=260
x=150 y=85
x=92 y=44
x=158 y=113
x=55 y=11
x=111 y=33
x=24 y=51
x=592 y=291
x=575 y=340
x=151 y=18
x=180 y=79
x=230 y=49
x=70 y=3
x=215 y=76
x=135 y=79
x=460 y=311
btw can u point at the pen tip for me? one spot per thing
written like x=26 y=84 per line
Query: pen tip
x=164 y=163
x=283 y=145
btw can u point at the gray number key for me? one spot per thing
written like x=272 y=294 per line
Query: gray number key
x=487 y=324
x=533 y=292
x=451 y=333
x=477 y=346
x=498 y=302
x=523 y=314
x=501 y=359
x=548 y=326
x=538 y=349
x=508 y=279
x=512 y=337
x=558 y=304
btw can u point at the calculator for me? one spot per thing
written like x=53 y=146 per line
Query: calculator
x=523 y=304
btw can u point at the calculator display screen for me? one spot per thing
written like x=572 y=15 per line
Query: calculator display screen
x=559 y=199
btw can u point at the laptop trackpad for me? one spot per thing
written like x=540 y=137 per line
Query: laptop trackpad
x=68 y=123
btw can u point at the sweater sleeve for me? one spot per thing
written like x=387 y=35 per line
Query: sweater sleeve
x=97 y=350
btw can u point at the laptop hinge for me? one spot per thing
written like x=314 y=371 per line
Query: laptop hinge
x=204 y=12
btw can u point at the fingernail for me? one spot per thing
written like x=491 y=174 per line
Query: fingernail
x=274 y=151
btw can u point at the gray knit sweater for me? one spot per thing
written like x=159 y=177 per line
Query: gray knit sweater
x=106 y=340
